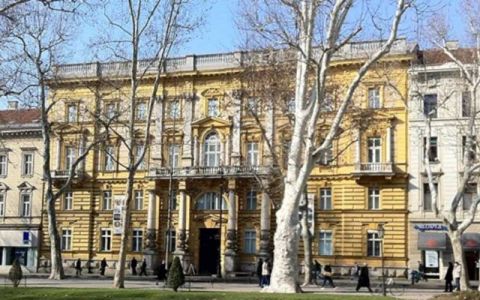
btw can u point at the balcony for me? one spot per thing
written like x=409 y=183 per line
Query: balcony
x=210 y=172
x=373 y=169
x=62 y=175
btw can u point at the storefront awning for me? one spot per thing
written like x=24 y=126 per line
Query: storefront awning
x=471 y=241
x=432 y=241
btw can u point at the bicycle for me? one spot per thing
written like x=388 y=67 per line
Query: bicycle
x=392 y=287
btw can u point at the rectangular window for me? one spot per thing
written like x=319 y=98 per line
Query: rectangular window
x=2 y=204
x=326 y=156
x=68 y=201
x=468 y=196
x=173 y=200
x=138 y=154
x=433 y=151
x=141 y=111
x=466 y=104
x=174 y=110
x=106 y=240
x=373 y=98
x=170 y=240
x=374 y=150
x=250 y=242
x=430 y=105
x=26 y=204
x=212 y=107
x=27 y=167
x=373 y=198
x=291 y=106
x=252 y=106
x=72 y=113
x=107 y=200
x=69 y=157
x=252 y=154
x=174 y=155
x=3 y=164
x=251 y=200
x=66 y=242
x=138 y=200
x=328 y=104
x=373 y=244
x=137 y=240
x=427 y=197
x=111 y=110
x=472 y=151
x=325 y=243
x=326 y=199
x=109 y=162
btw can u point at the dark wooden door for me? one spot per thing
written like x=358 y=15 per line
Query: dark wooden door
x=472 y=258
x=209 y=250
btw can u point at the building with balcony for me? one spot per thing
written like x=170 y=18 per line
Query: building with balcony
x=206 y=190
x=21 y=187
x=436 y=85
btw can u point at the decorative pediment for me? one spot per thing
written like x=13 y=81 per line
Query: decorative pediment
x=212 y=92
x=25 y=186
x=211 y=122
x=3 y=187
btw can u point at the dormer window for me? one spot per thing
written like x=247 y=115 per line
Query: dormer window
x=213 y=107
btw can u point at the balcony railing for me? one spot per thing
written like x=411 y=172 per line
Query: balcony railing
x=373 y=169
x=63 y=174
x=240 y=171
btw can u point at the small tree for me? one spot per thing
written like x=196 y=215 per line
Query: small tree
x=15 y=273
x=175 y=275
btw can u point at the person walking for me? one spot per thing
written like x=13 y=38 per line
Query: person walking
x=317 y=269
x=364 y=279
x=327 y=276
x=103 y=266
x=354 y=271
x=259 y=272
x=133 y=265
x=457 y=273
x=143 y=268
x=265 y=274
x=78 y=268
x=449 y=278
x=161 y=272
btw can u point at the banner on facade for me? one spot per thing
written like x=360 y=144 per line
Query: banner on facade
x=118 y=211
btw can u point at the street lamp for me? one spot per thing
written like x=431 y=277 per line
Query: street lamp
x=381 y=234
x=219 y=267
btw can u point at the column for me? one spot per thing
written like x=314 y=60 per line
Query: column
x=195 y=151
x=231 y=247
x=4 y=257
x=236 y=120
x=265 y=212
x=59 y=153
x=181 y=246
x=187 y=130
x=151 y=236
x=83 y=145
x=389 y=144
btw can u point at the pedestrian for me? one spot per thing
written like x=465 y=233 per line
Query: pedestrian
x=317 y=269
x=103 y=266
x=364 y=279
x=133 y=265
x=457 y=273
x=161 y=272
x=327 y=276
x=449 y=278
x=265 y=274
x=354 y=271
x=422 y=271
x=259 y=272
x=143 y=268
x=78 y=268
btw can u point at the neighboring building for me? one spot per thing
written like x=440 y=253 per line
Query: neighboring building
x=436 y=84
x=205 y=143
x=21 y=186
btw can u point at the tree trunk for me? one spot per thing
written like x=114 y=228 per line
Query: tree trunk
x=56 y=271
x=459 y=256
x=307 y=242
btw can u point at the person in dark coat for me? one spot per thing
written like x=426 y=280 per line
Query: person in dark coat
x=133 y=265
x=327 y=276
x=103 y=266
x=143 y=268
x=78 y=268
x=259 y=271
x=317 y=269
x=364 y=279
x=161 y=272
x=449 y=278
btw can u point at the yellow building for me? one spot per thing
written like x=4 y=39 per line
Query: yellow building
x=205 y=143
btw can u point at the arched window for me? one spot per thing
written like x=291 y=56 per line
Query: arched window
x=210 y=201
x=211 y=151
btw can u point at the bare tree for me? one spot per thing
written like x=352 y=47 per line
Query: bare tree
x=299 y=26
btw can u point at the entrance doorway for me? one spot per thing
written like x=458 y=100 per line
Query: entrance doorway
x=472 y=258
x=209 y=250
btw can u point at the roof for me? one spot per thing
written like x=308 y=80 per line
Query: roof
x=19 y=116
x=438 y=57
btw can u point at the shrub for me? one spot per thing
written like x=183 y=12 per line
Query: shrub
x=175 y=275
x=15 y=273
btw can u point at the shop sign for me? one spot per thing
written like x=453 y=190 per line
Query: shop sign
x=431 y=259
x=430 y=227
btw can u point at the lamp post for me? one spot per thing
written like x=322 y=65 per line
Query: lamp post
x=219 y=268
x=381 y=235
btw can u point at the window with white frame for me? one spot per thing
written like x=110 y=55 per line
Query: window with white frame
x=27 y=164
x=66 y=242
x=26 y=203
x=170 y=240
x=373 y=198
x=252 y=106
x=2 y=204
x=174 y=110
x=211 y=150
x=141 y=111
x=291 y=106
x=374 y=244
x=374 y=150
x=468 y=196
x=68 y=200
x=466 y=104
x=107 y=200
x=326 y=157
x=433 y=151
x=109 y=161
x=374 y=97
x=72 y=113
x=252 y=154
x=427 y=197
x=430 y=105
x=249 y=243
x=325 y=242
x=69 y=157
x=105 y=240
x=174 y=155
x=213 y=107
x=326 y=199
x=111 y=110
x=251 y=200
x=3 y=164
x=138 y=200
x=210 y=201
x=138 y=154
x=137 y=240
x=173 y=200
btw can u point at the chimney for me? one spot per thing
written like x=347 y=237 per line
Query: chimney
x=12 y=105
x=451 y=45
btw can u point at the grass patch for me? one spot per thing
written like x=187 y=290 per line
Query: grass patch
x=137 y=294
x=469 y=295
